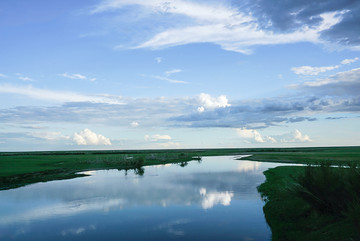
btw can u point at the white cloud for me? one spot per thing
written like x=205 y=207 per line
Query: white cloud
x=201 y=109
x=341 y=77
x=206 y=101
x=3 y=75
x=349 y=61
x=73 y=76
x=59 y=96
x=157 y=137
x=169 y=144
x=271 y=139
x=87 y=137
x=50 y=135
x=134 y=124
x=166 y=76
x=216 y=23
x=250 y=134
x=210 y=199
x=24 y=78
x=173 y=71
x=174 y=81
x=308 y=70
x=295 y=136
x=158 y=60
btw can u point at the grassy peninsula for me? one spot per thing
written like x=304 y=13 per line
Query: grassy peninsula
x=319 y=201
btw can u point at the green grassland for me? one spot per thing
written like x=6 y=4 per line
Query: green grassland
x=22 y=168
x=312 y=155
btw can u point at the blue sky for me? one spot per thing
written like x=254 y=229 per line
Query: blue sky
x=131 y=74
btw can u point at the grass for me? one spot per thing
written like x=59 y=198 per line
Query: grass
x=311 y=155
x=312 y=203
x=22 y=168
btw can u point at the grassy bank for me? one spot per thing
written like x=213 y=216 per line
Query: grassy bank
x=22 y=168
x=334 y=155
x=312 y=203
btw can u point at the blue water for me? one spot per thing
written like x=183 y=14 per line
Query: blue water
x=216 y=199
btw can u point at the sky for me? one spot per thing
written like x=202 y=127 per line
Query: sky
x=131 y=74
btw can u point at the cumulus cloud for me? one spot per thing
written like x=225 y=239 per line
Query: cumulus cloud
x=157 y=137
x=134 y=124
x=298 y=136
x=295 y=136
x=206 y=101
x=230 y=26
x=250 y=134
x=87 y=137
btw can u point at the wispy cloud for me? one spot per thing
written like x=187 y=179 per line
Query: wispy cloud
x=173 y=81
x=309 y=70
x=166 y=76
x=3 y=75
x=342 y=83
x=24 y=78
x=219 y=23
x=349 y=61
x=157 y=137
x=50 y=135
x=173 y=71
x=58 y=96
x=73 y=76
x=77 y=76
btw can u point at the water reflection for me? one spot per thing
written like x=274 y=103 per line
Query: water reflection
x=217 y=195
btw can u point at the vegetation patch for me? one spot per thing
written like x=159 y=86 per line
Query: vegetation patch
x=312 y=202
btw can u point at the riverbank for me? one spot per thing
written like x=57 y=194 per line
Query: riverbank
x=326 y=207
x=22 y=168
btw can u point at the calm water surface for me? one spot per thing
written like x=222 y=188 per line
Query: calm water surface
x=216 y=199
